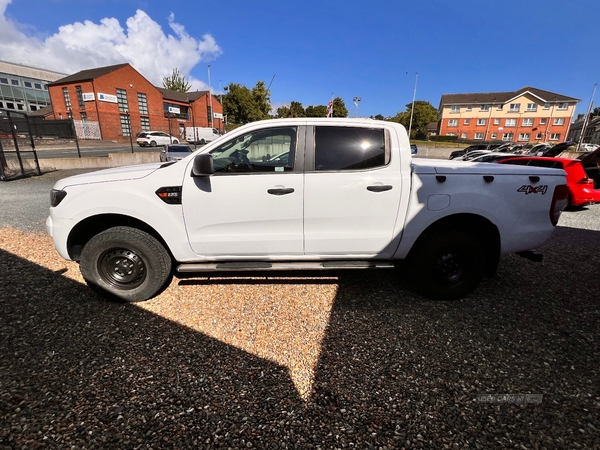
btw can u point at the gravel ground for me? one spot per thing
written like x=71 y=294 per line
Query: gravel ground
x=353 y=360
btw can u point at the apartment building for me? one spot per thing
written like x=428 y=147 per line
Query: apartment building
x=123 y=103
x=527 y=115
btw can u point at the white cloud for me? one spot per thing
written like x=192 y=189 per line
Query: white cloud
x=142 y=43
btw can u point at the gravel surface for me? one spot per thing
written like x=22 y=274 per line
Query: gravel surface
x=353 y=360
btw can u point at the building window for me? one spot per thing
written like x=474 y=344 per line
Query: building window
x=67 y=98
x=469 y=107
x=3 y=80
x=467 y=121
x=507 y=136
x=32 y=107
x=209 y=115
x=563 y=106
x=451 y=122
x=538 y=136
x=555 y=136
x=14 y=82
x=28 y=84
x=500 y=107
x=454 y=109
x=478 y=136
x=10 y=105
x=122 y=102
x=463 y=135
x=527 y=122
x=145 y=122
x=20 y=107
x=496 y=121
x=543 y=121
x=559 y=121
x=80 y=97
x=524 y=137
x=125 y=126
x=494 y=135
x=531 y=107
x=484 y=108
x=514 y=107
x=546 y=105
x=37 y=86
x=142 y=104
x=481 y=121
x=511 y=122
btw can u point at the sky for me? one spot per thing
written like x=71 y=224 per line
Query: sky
x=384 y=52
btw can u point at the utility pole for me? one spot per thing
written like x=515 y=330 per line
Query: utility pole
x=210 y=99
x=412 y=109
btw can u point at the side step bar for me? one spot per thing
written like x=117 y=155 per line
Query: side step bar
x=241 y=266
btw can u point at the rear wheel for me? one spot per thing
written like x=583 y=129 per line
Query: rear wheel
x=447 y=265
x=152 y=143
x=126 y=263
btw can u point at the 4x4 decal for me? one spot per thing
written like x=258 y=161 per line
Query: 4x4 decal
x=529 y=189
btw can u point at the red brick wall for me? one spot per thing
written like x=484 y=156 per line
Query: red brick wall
x=108 y=114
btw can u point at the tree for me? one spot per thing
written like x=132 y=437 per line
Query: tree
x=294 y=110
x=242 y=105
x=176 y=82
x=339 y=108
x=424 y=113
x=316 y=111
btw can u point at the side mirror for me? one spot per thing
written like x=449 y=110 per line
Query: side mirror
x=203 y=165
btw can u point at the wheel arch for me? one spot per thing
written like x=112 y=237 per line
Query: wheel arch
x=477 y=226
x=91 y=226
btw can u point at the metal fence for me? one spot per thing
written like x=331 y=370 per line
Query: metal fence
x=22 y=160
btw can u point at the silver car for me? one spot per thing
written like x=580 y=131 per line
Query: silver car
x=175 y=152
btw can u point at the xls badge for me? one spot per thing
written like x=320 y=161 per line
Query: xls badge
x=529 y=189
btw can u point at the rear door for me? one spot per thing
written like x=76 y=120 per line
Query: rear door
x=352 y=192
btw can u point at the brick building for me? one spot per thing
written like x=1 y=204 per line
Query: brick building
x=116 y=102
x=527 y=115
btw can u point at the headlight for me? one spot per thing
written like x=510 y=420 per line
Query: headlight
x=56 y=196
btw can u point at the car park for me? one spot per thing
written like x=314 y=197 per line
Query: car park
x=154 y=138
x=471 y=148
x=175 y=152
x=582 y=190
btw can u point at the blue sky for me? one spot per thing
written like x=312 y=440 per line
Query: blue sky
x=368 y=48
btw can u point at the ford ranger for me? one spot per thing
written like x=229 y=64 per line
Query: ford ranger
x=293 y=194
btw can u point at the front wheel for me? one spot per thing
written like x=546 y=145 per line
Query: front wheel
x=152 y=143
x=447 y=265
x=126 y=263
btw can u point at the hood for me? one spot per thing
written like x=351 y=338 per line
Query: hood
x=116 y=174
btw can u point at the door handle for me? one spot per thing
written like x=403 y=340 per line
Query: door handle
x=379 y=188
x=280 y=191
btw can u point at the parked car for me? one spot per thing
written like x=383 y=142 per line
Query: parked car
x=580 y=185
x=554 y=150
x=414 y=149
x=175 y=152
x=493 y=157
x=154 y=138
x=471 y=148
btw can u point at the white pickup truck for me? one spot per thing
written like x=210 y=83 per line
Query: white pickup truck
x=293 y=194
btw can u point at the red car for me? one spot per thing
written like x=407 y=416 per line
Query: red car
x=582 y=190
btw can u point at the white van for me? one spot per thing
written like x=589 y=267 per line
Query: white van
x=201 y=135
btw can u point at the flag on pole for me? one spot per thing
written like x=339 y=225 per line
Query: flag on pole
x=330 y=107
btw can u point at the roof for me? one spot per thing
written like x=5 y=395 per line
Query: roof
x=89 y=74
x=503 y=97
x=183 y=97
x=42 y=112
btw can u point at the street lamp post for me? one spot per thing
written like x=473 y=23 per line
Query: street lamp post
x=130 y=129
x=74 y=131
x=356 y=101
x=210 y=99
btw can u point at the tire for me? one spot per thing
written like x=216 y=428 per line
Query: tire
x=152 y=143
x=175 y=141
x=202 y=141
x=126 y=263
x=447 y=265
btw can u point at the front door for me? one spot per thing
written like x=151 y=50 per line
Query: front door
x=252 y=206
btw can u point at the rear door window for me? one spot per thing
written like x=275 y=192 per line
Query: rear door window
x=350 y=148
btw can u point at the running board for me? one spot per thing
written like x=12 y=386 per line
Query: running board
x=241 y=266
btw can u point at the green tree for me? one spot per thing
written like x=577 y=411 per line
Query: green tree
x=339 y=108
x=424 y=113
x=316 y=111
x=242 y=105
x=176 y=82
x=294 y=110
